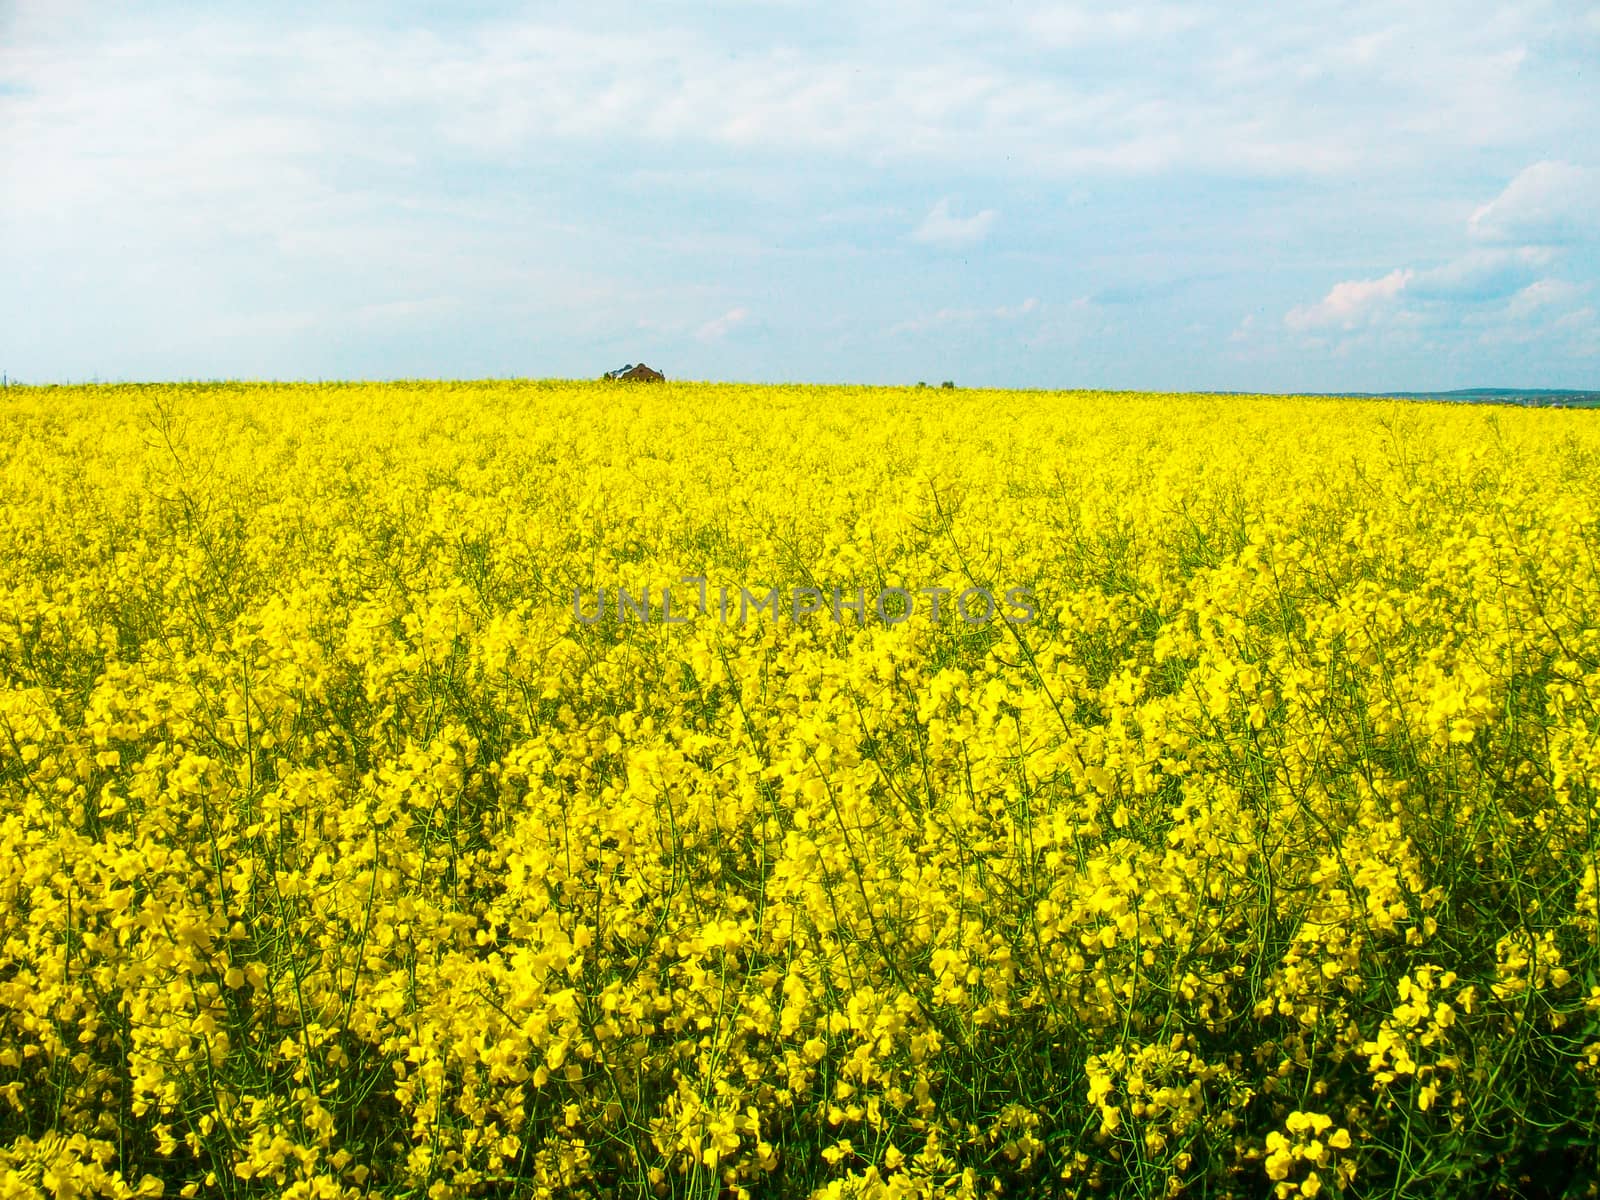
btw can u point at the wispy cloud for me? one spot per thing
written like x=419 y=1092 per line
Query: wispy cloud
x=1498 y=295
x=720 y=327
x=1079 y=24
x=405 y=312
x=966 y=316
x=941 y=228
x=1543 y=295
x=1009 y=312
x=1480 y=275
x=1548 y=202
x=180 y=191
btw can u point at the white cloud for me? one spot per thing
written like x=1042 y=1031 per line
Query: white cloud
x=934 y=320
x=1543 y=294
x=218 y=100
x=1544 y=205
x=720 y=327
x=1071 y=25
x=1547 y=202
x=167 y=167
x=950 y=316
x=1010 y=312
x=405 y=312
x=1349 y=305
x=940 y=228
x=1480 y=275
x=522 y=83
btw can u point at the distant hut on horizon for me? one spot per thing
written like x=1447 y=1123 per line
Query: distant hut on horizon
x=636 y=373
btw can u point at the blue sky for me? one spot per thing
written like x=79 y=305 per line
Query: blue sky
x=1322 y=196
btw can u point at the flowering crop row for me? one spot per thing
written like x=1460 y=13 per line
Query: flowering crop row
x=337 y=858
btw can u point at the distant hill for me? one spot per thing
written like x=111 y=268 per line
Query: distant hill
x=1527 y=397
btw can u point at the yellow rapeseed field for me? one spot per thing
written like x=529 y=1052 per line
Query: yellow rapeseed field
x=1230 y=830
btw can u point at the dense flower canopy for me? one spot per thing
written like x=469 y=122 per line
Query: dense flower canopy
x=337 y=858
